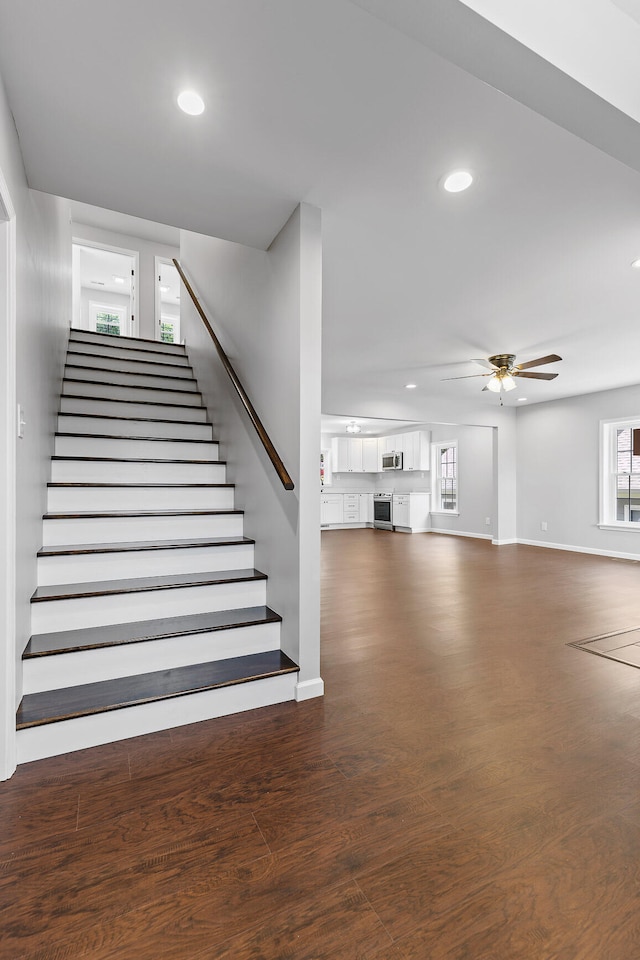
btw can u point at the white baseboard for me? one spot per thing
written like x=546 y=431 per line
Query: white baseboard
x=463 y=533
x=308 y=689
x=504 y=543
x=615 y=554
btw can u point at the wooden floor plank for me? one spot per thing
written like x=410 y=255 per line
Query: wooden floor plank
x=461 y=791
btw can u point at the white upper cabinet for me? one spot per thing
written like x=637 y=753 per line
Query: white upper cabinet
x=370 y=455
x=347 y=455
x=416 y=450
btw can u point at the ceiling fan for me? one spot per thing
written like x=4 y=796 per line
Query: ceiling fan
x=504 y=369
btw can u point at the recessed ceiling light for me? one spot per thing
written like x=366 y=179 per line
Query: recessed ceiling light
x=117 y=279
x=457 y=181
x=521 y=399
x=165 y=289
x=636 y=264
x=410 y=386
x=191 y=102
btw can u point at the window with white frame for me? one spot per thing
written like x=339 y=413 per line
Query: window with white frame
x=444 y=493
x=620 y=474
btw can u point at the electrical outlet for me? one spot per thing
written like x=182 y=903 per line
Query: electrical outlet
x=21 y=421
x=543 y=525
x=487 y=520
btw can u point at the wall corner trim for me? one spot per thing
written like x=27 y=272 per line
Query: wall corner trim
x=308 y=689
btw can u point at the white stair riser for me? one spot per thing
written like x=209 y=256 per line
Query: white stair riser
x=117 y=366
x=121 y=529
x=120 y=408
x=53 y=739
x=125 y=353
x=74 y=372
x=89 y=568
x=88 y=337
x=136 y=448
x=114 y=391
x=50 y=616
x=127 y=660
x=97 y=471
x=71 y=423
x=72 y=499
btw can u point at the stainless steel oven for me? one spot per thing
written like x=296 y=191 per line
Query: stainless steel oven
x=383 y=511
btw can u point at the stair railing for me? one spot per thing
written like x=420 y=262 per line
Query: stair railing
x=272 y=453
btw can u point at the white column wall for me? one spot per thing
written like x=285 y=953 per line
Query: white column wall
x=265 y=307
x=43 y=310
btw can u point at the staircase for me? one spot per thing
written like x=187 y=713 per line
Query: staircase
x=148 y=613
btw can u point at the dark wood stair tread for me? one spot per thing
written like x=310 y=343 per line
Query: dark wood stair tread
x=120 y=436
x=105 y=588
x=92 y=698
x=147 y=486
x=146 y=403
x=128 y=373
x=117 y=416
x=108 y=514
x=132 y=460
x=111 y=338
x=101 y=356
x=139 y=631
x=77 y=549
x=132 y=386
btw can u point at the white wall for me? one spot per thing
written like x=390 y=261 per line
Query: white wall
x=43 y=310
x=475 y=480
x=265 y=307
x=558 y=471
x=146 y=280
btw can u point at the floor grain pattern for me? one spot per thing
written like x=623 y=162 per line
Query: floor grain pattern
x=466 y=790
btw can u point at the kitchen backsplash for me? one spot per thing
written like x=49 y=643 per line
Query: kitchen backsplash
x=398 y=481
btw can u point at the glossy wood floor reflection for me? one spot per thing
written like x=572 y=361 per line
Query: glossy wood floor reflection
x=468 y=789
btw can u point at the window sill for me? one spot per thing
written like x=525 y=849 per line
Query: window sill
x=633 y=527
x=445 y=513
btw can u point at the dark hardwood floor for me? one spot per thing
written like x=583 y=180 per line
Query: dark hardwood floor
x=468 y=789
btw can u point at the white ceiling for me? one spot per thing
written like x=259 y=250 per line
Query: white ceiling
x=97 y=269
x=344 y=105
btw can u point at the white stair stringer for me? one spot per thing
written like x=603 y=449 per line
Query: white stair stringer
x=149 y=613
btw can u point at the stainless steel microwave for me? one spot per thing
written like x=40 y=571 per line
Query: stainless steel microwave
x=392 y=461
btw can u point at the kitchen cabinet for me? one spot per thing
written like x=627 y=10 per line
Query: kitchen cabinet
x=366 y=507
x=346 y=455
x=331 y=508
x=370 y=455
x=416 y=450
x=351 y=508
x=411 y=511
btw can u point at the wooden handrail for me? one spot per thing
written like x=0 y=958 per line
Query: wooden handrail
x=272 y=453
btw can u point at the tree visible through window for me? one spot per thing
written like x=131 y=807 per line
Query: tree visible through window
x=167 y=332
x=108 y=323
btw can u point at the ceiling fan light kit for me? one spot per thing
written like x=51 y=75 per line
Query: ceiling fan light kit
x=504 y=370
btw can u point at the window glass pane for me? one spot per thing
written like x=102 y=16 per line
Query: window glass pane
x=166 y=332
x=108 y=323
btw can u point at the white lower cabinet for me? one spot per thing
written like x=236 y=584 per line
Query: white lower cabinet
x=366 y=507
x=351 y=508
x=331 y=510
x=411 y=511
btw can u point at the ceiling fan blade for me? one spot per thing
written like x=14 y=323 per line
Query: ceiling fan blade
x=468 y=377
x=537 y=363
x=485 y=363
x=483 y=389
x=535 y=376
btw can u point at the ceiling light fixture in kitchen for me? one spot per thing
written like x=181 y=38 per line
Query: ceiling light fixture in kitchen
x=457 y=181
x=353 y=427
x=191 y=102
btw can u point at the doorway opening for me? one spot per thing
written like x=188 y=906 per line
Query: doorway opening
x=167 y=301
x=104 y=289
